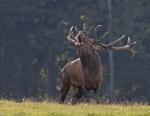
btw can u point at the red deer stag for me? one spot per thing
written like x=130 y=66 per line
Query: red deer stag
x=85 y=72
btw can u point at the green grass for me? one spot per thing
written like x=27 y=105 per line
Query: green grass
x=11 y=108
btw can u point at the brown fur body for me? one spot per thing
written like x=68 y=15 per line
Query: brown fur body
x=72 y=75
x=84 y=73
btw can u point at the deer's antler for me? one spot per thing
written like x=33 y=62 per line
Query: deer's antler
x=71 y=36
x=128 y=47
x=95 y=29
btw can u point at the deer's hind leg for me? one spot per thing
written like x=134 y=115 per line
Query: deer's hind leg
x=77 y=96
x=63 y=92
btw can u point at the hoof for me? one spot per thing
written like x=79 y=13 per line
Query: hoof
x=97 y=101
x=60 y=101
x=87 y=100
x=74 y=101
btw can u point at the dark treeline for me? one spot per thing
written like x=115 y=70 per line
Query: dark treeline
x=33 y=45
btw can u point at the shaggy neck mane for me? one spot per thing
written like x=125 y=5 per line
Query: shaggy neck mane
x=90 y=63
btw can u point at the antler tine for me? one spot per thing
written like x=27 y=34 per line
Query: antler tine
x=110 y=44
x=76 y=28
x=129 y=42
x=71 y=37
x=117 y=40
x=132 y=51
x=96 y=30
x=70 y=30
x=103 y=36
x=100 y=39
x=84 y=27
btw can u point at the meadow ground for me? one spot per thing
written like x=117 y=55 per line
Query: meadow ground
x=27 y=108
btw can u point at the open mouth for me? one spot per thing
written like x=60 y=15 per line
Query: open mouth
x=79 y=39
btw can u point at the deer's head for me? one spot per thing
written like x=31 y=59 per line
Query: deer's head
x=84 y=45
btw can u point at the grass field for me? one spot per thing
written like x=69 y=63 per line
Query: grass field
x=11 y=108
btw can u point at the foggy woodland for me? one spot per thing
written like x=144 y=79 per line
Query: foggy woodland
x=34 y=48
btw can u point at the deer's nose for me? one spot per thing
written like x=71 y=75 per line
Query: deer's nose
x=77 y=44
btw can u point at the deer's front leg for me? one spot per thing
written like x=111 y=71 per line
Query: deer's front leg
x=97 y=95
x=86 y=98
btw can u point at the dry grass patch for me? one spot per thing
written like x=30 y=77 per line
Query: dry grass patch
x=11 y=108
